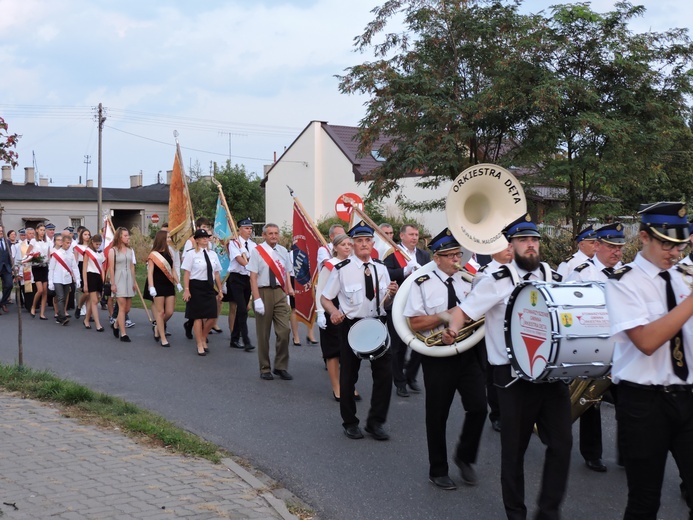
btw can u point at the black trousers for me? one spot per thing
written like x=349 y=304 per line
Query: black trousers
x=402 y=372
x=349 y=365
x=238 y=288
x=491 y=391
x=443 y=377
x=591 y=433
x=522 y=405
x=7 y=284
x=654 y=423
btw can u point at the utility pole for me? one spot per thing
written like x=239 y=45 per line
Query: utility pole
x=230 y=134
x=101 y=120
x=87 y=161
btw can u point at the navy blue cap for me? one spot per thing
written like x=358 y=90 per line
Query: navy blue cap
x=361 y=229
x=666 y=220
x=443 y=241
x=245 y=222
x=611 y=234
x=201 y=233
x=522 y=227
x=22 y=231
x=50 y=226
x=585 y=234
x=70 y=229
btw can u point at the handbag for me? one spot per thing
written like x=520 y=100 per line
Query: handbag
x=107 y=289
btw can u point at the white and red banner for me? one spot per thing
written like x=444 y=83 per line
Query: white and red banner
x=304 y=253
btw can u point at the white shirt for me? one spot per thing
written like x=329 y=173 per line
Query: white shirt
x=57 y=272
x=323 y=276
x=592 y=272
x=639 y=298
x=41 y=247
x=430 y=296
x=257 y=264
x=91 y=267
x=324 y=254
x=490 y=297
x=348 y=284
x=237 y=248
x=190 y=246
x=569 y=265
x=194 y=262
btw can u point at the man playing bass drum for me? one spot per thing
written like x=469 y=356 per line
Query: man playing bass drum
x=522 y=403
x=431 y=294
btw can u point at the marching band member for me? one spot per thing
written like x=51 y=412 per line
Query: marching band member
x=270 y=284
x=363 y=287
x=585 y=241
x=650 y=305
x=522 y=403
x=404 y=374
x=430 y=295
x=238 y=284
x=608 y=251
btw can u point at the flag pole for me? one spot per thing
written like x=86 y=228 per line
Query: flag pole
x=310 y=220
x=369 y=221
x=229 y=217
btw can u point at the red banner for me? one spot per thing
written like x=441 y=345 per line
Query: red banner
x=304 y=254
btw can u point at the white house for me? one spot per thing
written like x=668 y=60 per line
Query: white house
x=323 y=163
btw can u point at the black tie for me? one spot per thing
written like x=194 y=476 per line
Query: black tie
x=246 y=246
x=370 y=292
x=452 y=297
x=210 y=275
x=678 y=358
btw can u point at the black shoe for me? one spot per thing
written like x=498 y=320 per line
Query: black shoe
x=414 y=387
x=496 y=425
x=248 y=346
x=596 y=465
x=188 y=326
x=77 y=313
x=402 y=391
x=283 y=374
x=267 y=376
x=125 y=338
x=65 y=321
x=353 y=432
x=357 y=397
x=116 y=332
x=335 y=397
x=216 y=330
x=443 y=482
x=467 y=471
x=377 y=432
x=235 y=344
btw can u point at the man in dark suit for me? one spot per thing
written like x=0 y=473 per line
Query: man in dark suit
x=5 y=269
x=399 y=269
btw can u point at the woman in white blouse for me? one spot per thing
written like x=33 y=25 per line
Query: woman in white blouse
x=38 y=252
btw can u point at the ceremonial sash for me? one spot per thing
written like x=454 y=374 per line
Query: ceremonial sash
x=80 y=249
x=26 y=269
x=59 y=259
x=278 y=271
x=95 y=260
x=329 y=266
x=162 y=264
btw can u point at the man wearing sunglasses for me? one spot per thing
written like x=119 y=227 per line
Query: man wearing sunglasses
x=650 y=307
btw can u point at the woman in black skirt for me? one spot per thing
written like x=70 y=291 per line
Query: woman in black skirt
x=329 y=332
x=162 y=280
x=92 y=276
x=38 y=253
x=202 y=288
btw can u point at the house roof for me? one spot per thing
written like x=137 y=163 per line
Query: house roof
x=345 y=137
x=154 y=193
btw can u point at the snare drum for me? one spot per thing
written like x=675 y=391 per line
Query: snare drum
x=558 y=331
x=368 y=338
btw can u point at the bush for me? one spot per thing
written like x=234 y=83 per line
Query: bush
x=141 y=244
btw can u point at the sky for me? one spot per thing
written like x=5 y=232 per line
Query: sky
x=237 y=76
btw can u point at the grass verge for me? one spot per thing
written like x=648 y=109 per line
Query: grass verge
x=107 y=411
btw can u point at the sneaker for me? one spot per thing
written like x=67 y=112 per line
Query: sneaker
x=129 y=324
x=111 y=320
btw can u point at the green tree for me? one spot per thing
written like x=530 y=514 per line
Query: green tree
x=609 y=109
x=7 y=144
x=451 y=90
x=242 y=190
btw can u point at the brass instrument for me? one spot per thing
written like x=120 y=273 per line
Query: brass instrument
x=435 y=339
x=585 y=393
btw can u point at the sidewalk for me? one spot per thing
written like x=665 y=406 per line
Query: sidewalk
x=55 y=467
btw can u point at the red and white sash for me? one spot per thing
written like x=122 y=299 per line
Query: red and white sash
x=60 y=260
x=277 y=269
x=88 y=252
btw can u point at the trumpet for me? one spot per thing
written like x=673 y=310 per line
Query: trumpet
x=435 y=339
x=468 y=277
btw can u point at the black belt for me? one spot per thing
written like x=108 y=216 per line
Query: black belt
x=268 y=287
x=669 y=389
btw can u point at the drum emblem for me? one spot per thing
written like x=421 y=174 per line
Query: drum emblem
x=566 y=319
x=533 y=298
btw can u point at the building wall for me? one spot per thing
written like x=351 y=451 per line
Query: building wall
x=319 y=172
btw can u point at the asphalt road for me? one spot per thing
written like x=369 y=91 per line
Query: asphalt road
x=291 y=430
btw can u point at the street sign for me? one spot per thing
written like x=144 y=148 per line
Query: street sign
x=155 y=218
x=344 y=203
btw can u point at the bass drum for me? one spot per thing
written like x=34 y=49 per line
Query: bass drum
x=368 y=339
x=558 y=331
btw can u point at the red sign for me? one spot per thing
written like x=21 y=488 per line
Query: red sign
x=155 y=218
x=344 y=204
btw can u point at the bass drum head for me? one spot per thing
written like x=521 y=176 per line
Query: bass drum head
x=528 y=331
x=368 y=338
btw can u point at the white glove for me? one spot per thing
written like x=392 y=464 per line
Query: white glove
x=51 y=286
x=224 y=290
x=259 y=306
x=411 y=266
x=179 y=287
x=322 y=321
x=152 y=292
